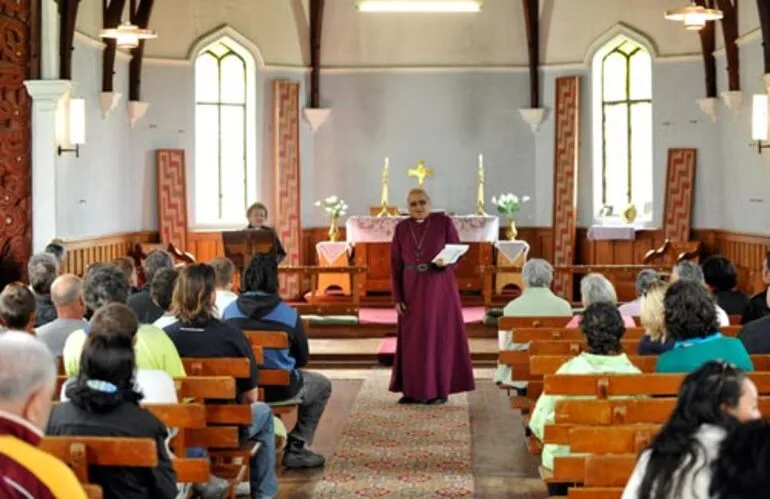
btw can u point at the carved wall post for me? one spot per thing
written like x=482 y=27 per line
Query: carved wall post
x=68 y=12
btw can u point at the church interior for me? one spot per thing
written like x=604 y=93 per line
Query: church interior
x=592 y=138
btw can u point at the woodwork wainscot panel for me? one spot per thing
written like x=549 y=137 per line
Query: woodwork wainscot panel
x=86 y=251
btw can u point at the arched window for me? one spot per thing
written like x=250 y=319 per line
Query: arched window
x=622 y=83
x=225 y=171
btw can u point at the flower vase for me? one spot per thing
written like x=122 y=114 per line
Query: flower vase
x=334 y=231
x=511 y=232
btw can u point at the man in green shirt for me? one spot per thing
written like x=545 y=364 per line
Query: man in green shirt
x=537 y=300
x=154 y=349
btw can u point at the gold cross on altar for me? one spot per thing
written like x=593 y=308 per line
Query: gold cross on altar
x=420 y=172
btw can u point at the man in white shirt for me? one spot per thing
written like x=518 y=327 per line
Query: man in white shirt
x=224 y=270
x=161 y=292
x=688 y=271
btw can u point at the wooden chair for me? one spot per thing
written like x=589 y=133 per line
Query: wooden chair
x=508 y=322
x=274 y=340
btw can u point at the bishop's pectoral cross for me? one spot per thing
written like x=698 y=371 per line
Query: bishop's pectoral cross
x=420 y=172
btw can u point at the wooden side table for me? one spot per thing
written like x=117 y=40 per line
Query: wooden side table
x=333 y=254
x=510 y=254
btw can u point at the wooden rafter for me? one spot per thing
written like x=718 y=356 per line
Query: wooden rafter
x=140 y=16
x=763 y=6
x=316 y=28
x=708 y=43
x=111 y=12
x=729 y=9
x=68 y=14
x=532 y=21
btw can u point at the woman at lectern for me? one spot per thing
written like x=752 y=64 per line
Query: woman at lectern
x=257 y=216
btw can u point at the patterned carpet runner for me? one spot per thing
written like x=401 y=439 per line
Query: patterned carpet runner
x=391 y=450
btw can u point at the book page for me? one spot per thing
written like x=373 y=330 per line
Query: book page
x=451 y=253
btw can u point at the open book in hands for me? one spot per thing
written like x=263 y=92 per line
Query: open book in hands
x=451 y=253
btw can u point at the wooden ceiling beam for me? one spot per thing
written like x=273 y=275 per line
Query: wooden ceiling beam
x=111 y=13
x=316 y=29
x=68 y=14
x=729 y=9
x=140 y=16
x=532 y=21
x=764 y=20
x=708 y=43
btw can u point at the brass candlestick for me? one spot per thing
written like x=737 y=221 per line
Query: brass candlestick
x=385 y=211
x=480 y=192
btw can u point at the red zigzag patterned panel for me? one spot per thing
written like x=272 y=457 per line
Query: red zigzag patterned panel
x=566 y=147
x=172 y=197
x=680 y=186
x=287 y=182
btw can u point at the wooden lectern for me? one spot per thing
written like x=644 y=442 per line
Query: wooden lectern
x=241 y=245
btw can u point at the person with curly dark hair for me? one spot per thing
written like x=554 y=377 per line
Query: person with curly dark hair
x=740 y=471
x=712 y=401
x=721 y=277
x=691 y=321
x=603 y=328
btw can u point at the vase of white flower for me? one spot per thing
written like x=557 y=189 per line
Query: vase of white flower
x=508 y=205
x=334 y=208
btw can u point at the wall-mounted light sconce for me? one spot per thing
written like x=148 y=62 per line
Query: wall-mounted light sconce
x=76 y=126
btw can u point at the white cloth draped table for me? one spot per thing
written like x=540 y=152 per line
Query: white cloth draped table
x=611 y=233
x=471 y=229
x=333 y=254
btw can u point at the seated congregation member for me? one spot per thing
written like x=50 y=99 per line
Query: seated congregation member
x=57 y=250
x=643 y=281
x=224 y=271
x=536 y=300
x=595 y=288
x=104 y=402
x=260 y=307
x=104 y=284
x=603 y=328
x=691 y=321
x=721 y=277
x=67 y=297
x=162 y=294
x=27 y=383
x=257 y=216
x=17 y=308
x=755 y=336
x=141 y=302
x=653 y=319
x=42 y=269
x=197 y=333
x=740 y=471
x=689 y=271
x=712 y=401
x=126 y=264
x=757 y=306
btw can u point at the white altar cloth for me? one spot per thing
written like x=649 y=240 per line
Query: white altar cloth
x=611 y=233
x=331 y=250
x=513 y=249
x=471 y=228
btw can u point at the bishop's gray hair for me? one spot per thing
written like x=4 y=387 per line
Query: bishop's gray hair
x=26 y=363
x=537 y=273
x=595 y=288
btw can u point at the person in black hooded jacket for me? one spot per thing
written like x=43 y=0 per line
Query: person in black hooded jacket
x=260 y=308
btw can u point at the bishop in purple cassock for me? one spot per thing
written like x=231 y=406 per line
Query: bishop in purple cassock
x=432 y=355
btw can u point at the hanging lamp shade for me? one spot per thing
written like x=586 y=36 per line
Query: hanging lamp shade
x=127 y=35
x=694 y=16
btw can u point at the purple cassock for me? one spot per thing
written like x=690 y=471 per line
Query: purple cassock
x=432 y=355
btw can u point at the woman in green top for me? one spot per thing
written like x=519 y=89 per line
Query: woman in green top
x=691 y=321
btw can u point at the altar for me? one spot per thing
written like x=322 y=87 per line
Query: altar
x=370 y=237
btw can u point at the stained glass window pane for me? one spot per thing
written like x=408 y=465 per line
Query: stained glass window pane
x=616 y=156
x=614 y=84
x=233 y=80
x=206 y=163
x=233 y=163
x=206 y=78
x=641 y=75
x=641 y=155
x=219 y=50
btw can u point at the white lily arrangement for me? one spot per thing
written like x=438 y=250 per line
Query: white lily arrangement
x=333 y=206
x=508 y=204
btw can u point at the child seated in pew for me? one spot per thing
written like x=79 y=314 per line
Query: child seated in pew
x=691 y=321
x=741 y=470
x=652 y=315
x=224 y=272
x=603 y=328
x=161 y=293
x=677 y=465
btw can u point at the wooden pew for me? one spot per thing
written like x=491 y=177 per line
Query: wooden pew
x=549 y=364
x=273 y=340
x=508 y=322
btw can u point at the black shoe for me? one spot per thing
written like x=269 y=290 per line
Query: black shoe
x=437 y=401
x=407 y=400
x=295 y=458
x=216 y=488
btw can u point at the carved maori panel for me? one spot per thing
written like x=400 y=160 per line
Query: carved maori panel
x=15 y=139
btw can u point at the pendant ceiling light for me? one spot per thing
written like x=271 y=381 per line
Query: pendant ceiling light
x=694 y=16
x=419 y=5
x=128 y=35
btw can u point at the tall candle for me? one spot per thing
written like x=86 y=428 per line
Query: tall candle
x=481 y=161
x=387 y=163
